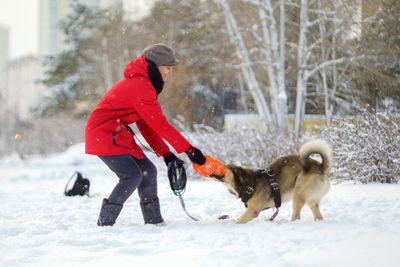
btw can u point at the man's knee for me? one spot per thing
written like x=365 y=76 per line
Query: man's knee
x=150 y=172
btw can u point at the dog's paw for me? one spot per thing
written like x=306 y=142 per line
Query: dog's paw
x=223 y=217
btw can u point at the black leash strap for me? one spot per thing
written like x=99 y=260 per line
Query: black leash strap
x=184 y=209
x=248 y=191
x=270 y=175
x=275 y=188
x=140 y=142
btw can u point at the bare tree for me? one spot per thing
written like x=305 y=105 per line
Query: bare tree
x=317 y=28
x=245 y=66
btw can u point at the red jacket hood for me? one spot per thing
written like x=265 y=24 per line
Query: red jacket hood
x=136 y=67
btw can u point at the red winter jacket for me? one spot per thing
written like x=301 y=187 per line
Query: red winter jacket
x=132 y=99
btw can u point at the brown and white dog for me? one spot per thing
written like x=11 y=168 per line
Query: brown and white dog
x=300 y=178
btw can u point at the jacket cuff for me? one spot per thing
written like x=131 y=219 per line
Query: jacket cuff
x=190 y=150
x=167 y=155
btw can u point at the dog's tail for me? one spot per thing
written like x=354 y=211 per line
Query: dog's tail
x=316 y=147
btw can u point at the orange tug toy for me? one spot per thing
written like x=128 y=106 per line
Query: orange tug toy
x=210 y=167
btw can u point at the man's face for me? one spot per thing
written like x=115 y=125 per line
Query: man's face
x=165 y=71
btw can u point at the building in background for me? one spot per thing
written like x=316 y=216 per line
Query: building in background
x=22 y=92
x=4 y=45
x=51 y=39
x=4 y=54
x=19 y=91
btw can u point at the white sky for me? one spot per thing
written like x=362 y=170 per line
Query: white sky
x=21 y=16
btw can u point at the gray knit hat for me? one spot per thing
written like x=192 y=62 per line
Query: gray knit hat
x=160 y=54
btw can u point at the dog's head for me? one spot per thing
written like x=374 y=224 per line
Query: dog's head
x=232 y=174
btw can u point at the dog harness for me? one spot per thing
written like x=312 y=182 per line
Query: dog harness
x=249 y=190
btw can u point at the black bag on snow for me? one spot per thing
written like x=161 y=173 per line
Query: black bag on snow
x=80 y=187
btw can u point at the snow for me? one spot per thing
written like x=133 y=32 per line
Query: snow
x=41 y=227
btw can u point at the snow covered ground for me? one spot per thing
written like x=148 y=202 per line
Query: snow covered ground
x=41 y=227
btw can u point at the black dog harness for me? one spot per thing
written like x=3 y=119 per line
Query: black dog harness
x=249 y=190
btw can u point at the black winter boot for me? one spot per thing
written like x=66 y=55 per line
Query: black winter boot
x=151 y=212
x=108 y=213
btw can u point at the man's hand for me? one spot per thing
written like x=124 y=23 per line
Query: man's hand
x=195 y=155
x=176 y=173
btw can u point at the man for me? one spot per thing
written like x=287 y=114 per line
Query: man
x=107 y=134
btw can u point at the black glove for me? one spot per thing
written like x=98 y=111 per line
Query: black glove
x=195 y=155
x=176 y=173
x=169 y=157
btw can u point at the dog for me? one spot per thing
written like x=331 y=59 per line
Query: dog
x=296 y=178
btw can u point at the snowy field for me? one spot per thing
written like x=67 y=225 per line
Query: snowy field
x=41 y=227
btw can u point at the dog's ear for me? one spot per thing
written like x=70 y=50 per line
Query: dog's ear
x=237 y=170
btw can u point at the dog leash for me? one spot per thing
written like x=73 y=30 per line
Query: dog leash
x=178 y=185
x=177 y=181
x=184 y=209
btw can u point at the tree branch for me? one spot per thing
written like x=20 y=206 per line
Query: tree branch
x=328 y=63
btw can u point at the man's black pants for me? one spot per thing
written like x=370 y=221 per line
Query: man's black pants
x=132 y=173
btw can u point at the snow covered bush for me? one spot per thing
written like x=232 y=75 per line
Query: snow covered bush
x=366 y=147
x=42 y=135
